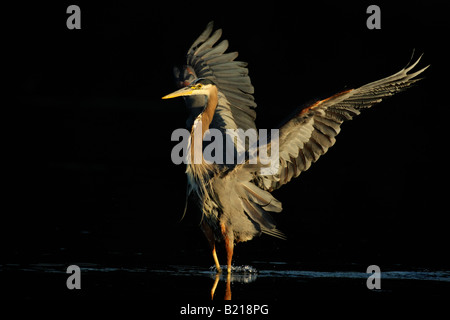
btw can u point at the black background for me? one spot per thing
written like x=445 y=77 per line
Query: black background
x=88 y=172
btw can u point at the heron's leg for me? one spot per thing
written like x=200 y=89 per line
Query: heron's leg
x=216 y=260
x=212 y=243
x=229 y=244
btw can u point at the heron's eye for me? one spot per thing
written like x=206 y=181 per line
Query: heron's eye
x=197 y=86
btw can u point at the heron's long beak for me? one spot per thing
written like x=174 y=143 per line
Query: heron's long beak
x=186 y=91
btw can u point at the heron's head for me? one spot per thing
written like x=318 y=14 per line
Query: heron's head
x=198 y=87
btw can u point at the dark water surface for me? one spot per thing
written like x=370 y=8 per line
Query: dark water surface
x=264 y=281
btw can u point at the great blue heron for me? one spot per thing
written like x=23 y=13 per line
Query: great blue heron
x=235 y=200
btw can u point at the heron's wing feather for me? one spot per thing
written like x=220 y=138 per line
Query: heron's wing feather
x=312 y=131
x=255 y=202
x=206 y=59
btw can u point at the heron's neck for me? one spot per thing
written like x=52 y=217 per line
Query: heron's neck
x=211 y=105
x=201 y=125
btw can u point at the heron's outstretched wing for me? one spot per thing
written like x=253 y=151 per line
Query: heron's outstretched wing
x=205 y=59
x=312 y=131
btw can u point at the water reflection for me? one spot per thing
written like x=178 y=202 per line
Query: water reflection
x=240 y=274
x=227 y=287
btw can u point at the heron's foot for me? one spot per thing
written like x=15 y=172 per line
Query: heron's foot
x=219 y=269
x=216 y=269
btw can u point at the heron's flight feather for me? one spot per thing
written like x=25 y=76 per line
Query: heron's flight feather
x=312 y=131
x=236 y=104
